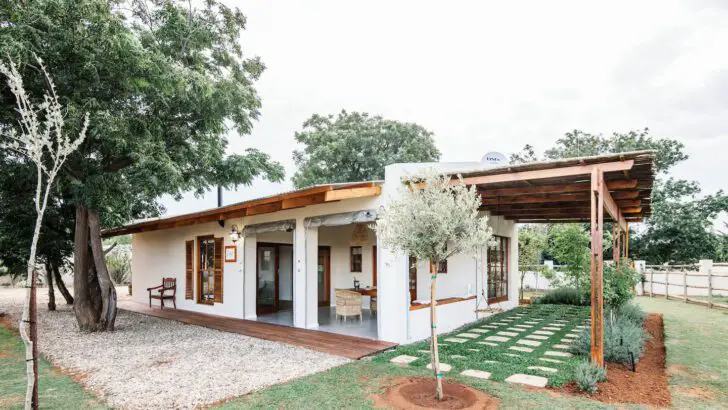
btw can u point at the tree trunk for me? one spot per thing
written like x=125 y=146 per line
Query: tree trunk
x=433 y=323
x=107 y=317
x=62 y=286
x=86 y=315
x=49 y=279
x=34 y=338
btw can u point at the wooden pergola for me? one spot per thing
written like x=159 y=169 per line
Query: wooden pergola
x=607 y=188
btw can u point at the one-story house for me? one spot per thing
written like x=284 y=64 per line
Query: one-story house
x=280 y=259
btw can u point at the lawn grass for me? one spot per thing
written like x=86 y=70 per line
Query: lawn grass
x=501 y=361
x=55 y=390
x=696 y=339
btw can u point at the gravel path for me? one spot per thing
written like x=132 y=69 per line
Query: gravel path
x=157 y=363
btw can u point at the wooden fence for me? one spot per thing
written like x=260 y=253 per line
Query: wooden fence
x=698 y=283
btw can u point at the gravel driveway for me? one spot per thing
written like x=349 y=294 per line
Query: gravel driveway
x=157 y=363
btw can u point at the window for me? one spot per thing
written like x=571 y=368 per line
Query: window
x=355 y=258
x=442 y=266
x=498 y=270
x=413 y=278
x=206 y=269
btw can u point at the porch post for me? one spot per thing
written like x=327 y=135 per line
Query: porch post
x=299 y=274
x=597 y=267
x=250 y=287
x=311 y=277
x=392 y=296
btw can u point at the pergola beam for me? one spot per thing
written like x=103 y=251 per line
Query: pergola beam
x=624 y=204
x=546 y=198
x=556 y=188
x=571 y=171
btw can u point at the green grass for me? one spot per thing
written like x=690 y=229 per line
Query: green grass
x=697 y=343
x=55 y=390
x=506 y=365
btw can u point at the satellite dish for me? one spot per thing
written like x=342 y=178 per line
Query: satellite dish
x=493 y=158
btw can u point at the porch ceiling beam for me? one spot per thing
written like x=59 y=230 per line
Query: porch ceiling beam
x=610 y=205
x=538 y=206
x=351 y=193
x=548 y=173
x=557 y=188
x=538 y=199
x=304 y=201
x=527 y=220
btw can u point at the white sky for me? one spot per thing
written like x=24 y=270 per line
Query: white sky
x=491 y=76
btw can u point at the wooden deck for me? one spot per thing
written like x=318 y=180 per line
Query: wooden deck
x=340 y=345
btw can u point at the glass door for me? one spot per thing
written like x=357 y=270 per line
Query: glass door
x=267 y=279
x=324 y=276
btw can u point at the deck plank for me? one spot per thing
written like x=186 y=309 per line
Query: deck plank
x=347 y=346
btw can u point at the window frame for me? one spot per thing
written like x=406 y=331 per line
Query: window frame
x=353 y=256
x=198 y=271
x=501 y=270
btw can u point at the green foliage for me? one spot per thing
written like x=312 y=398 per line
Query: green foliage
x=532 y=242
x=119 y=265
x=587 y=375
x=623 y=333
x=570 y=246
x=619 y=283
x=353 y=146
x=632 y=312
x=565 y=296
x=164 y=84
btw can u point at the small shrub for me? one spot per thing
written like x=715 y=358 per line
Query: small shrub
x=119 y=265
x=588 y=375
x=619 y=284
x=622 y=335
x=633 y=313
x=565 y=296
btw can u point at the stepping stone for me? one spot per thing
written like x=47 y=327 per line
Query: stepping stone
x=568 y=341
x=479 y=374
x=537 y=337
x=531 y=322
x=475 y=350
x=456 y=340
x=404 y=359
x=514 y=329
x=444 y=367
x=500 y=323
x=528 y=342
x=424 y=351
x=521 y=349
x=488 y=344
x=523 y=326
x=559 y=325
x=528 y=380
x=490 y=361
x=561 y=320
x=543 y=369
x=469 y=335
x=479 y=330
x=512 y=354
x=498 y=338
x=581 y=327
x=574 y=335
x=558 y=354
x=546 y=359
x=509 y=334
x=543 y=332
x=489 y=327
x=555 y=329
x=565 y=347
x=457 y=356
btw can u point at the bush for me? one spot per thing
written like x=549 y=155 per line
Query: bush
x=119 y=265
x=623 y=333
x=565 y=296
x=633 y=313
x=619 y=284
x=588 y=375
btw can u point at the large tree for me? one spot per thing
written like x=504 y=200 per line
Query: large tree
x=165 y=81
x=353 y=146
x=680 y=228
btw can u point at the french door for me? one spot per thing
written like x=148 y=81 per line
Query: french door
x=498 y=270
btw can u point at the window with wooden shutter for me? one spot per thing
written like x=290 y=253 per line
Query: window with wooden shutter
x=219 y=249
x=189 y=269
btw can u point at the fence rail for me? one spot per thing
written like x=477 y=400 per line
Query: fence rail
x=692 y=282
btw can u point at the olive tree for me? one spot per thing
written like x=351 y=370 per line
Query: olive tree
x=433 y=218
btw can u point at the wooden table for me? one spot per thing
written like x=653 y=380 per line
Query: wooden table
x=365 y=291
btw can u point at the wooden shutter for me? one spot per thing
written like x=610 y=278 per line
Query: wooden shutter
x=189 y=268
x=219 y=249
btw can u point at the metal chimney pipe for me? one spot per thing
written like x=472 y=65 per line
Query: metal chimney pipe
x=219 y=203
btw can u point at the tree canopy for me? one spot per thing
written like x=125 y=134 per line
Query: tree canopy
x=353 y=146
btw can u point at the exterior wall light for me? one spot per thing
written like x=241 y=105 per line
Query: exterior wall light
x=234 y=233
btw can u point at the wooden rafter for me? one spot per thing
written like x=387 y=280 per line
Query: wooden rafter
x=548 y=173
x=556 y=188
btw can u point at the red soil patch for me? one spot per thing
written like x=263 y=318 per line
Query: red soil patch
x=648 y=385
x=417 y=393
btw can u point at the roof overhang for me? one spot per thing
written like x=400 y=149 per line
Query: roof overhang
x=315 y=195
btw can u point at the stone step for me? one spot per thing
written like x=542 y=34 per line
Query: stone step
x=528 y=380
x=479 y=374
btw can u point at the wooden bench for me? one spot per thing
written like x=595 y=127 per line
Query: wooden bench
x=168 y=284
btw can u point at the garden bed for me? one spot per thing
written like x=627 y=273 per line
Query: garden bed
x=648 y=385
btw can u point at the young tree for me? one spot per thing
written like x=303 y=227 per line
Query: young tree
x=40 y=139
x=532 y=242
x=353 y=146
x=434 y=219
x=570 y=246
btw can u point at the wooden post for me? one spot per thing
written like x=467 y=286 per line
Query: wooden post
x=597 y=267
x=685 y=285
x=710 y=288
x=667 y=283
x=652 y=282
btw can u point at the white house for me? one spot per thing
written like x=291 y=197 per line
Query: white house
x=295 y=249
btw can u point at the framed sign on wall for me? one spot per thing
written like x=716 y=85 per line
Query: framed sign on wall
x=231 y=253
